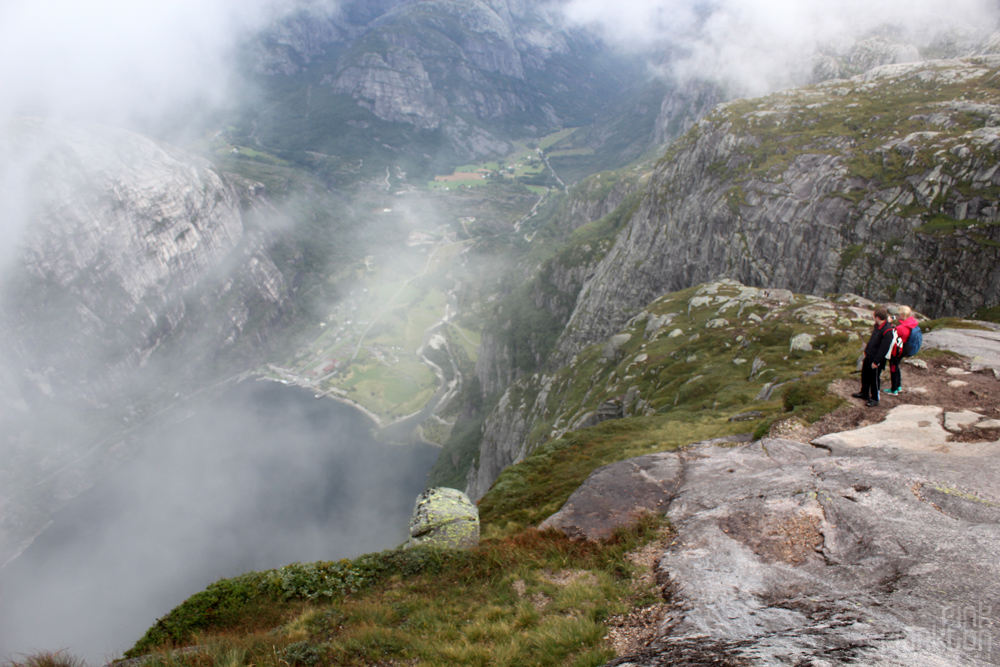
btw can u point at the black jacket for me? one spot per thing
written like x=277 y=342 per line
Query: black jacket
x=880 y=343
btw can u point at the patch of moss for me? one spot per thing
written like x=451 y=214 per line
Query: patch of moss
x=941 y=224
x=952 y=323
x=990 y=314
x=850 y=254
x=810 y=399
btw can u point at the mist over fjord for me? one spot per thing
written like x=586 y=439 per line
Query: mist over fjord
x=261 y=477
x=267 y=474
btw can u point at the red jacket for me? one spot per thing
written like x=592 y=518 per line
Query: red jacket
x=903 y=329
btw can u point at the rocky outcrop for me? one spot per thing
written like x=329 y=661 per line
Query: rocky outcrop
x=789 y=553
x=982 y=347
x=120 y=232
x=823 y=189
x=619 y=494
x=444 y=518
x=627 y=373
x=134 y=272
x=416 y=46
x=291 y=45
x=394 y=87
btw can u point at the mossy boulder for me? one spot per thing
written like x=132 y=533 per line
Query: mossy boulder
x=444 y=518
x=802 y=342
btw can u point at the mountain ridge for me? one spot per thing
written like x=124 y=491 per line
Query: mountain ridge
x=736 y=199
x=620 y=327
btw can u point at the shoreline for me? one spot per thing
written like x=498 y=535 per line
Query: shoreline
x=378 y=428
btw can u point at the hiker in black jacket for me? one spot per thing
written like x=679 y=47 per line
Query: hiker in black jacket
x=876 y=353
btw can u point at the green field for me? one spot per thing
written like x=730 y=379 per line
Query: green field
x=523 y=164
x=366 y=351
x=551 y=140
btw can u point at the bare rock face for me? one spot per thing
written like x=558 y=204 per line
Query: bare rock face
x=982 y=347
x=503 y=442
x=790 y=554
x=395 y=87
x=415 y=46
x=117 y=234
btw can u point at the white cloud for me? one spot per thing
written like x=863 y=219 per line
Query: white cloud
x=117 y=60
x=763 y=45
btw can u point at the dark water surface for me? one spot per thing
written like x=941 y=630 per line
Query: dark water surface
x=264 y=476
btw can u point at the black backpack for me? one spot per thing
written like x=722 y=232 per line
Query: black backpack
x=914 y=342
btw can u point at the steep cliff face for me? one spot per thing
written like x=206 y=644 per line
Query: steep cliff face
x=290 y=46
x=525 y=325
x=119 y=233
x=132 y=271
x=423 y=62
x=434 y=81
x=885 y=185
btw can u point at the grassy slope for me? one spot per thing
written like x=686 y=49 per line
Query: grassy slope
x=433 y=608
x=497 y=605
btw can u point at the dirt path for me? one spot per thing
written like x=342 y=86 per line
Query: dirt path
x=937 y=384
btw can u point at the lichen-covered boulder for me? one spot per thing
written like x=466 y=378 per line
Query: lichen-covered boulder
x=444 y=518
x=802 y=342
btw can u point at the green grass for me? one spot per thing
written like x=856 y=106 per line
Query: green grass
x=551 y=140
x=496 y=605
x=568 y=152
x=401 y=392
x=989 y=314
x=48 y=659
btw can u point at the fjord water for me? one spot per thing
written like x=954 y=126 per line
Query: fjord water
x=264 y=476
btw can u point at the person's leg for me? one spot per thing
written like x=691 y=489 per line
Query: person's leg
x=895 y=376
x=877 y=385
x=867 y=380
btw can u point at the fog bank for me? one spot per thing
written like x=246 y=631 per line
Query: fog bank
x=265 y=476
x=759 y=46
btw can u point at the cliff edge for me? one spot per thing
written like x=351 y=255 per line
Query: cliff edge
x=876 y=544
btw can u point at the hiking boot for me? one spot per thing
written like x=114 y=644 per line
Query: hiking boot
x=871 y=404
x=858 y=394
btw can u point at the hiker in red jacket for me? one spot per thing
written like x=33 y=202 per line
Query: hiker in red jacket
x=876 y=353
x=907 y=323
